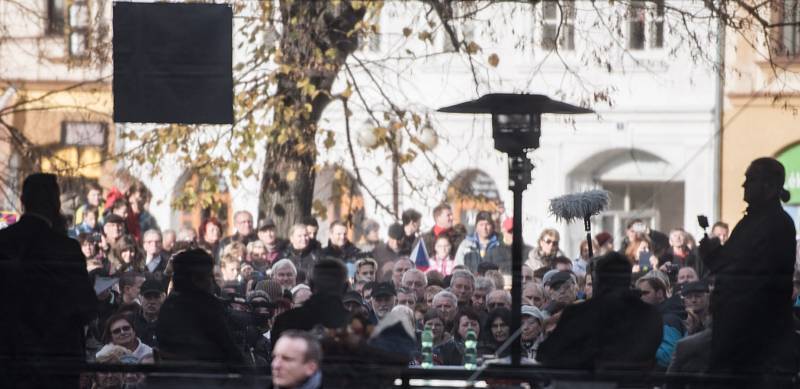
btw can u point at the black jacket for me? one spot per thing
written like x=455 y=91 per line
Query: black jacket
x=615 y=330
x=191 y=327
x=48 y=297
x=304 y=259
x=347 y=253
x=321 y=309
x=751 y=303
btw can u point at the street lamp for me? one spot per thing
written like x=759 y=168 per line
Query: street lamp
x=516 y=129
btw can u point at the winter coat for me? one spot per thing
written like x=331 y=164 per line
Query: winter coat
x=191 y=327
x=751 y=303
x=493 y=253
x=613 y=330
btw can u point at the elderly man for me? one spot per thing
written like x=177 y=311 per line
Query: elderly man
x=533 y=294
x=256 y=253
x=498 y=299
x=415 y=280
x=443 y=216
x=243 y=221
x=406 y=297
x=285 y=273
x=462 y=284
x=296 y=361
x=561 y=289
x=401 y=266
x=383 y=299
x=155 y=259
x=695 y=300
x=483 y=286
x=446 y=303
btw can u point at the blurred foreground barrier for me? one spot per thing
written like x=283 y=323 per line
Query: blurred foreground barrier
x=372 y=374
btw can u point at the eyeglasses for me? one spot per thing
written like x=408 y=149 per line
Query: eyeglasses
x=496 y=305
x=549 y=241
x=120 y=330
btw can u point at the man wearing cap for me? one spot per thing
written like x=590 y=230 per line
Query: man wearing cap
x=152 y=297
x=383 y=299
x=355 y=304
x=695 y=300
x=392 y=249
x=113 y=229
x=191 y=324
x=532 y=330
x=613 y=329
x=274 y=245
x=561 y=288
x=484 y=246
x=47 y=295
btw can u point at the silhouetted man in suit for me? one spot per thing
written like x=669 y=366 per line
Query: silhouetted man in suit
x=614 y=329
x=39 y=261
x=752 y=299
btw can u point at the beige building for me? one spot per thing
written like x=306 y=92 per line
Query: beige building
x=762 y=107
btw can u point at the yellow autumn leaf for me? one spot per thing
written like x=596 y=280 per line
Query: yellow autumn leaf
x=494 y=60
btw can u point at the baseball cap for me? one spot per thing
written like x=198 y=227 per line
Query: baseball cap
x=530 y=310
x=353 y=297
x=151 y=286
x=555 y=278
x=694 y=287
x=266 y=224
x=384 y=289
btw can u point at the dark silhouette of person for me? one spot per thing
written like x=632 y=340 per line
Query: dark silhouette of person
x=612 y=330
x=752 y=298
x=48 y=297
x=191 y=323
x=324 y=308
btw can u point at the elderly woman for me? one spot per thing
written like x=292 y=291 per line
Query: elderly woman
x=496 y=330
x=452 y=351
x=119 y=331
x=115 y=355
x=546 y=250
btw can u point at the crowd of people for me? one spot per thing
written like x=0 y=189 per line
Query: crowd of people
x=261 y=299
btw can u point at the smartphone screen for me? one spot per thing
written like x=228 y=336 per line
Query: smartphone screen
x=644 y=260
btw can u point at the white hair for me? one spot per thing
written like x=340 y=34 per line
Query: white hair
x=484 y=283
x=445 y=295
x=415 y=271
x=461 y=273
x=286 y=262
x=400 y=313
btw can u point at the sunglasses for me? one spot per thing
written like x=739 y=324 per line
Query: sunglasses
x=548 y=241
x=120 y=330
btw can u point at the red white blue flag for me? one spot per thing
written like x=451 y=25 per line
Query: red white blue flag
x=420 y=256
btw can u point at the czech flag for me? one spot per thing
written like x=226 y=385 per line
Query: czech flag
x=420 y=256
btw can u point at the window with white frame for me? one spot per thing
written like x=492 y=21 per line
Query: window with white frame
x=79 y=28
x=790 y=29
x=646 y=25
x=558 y=25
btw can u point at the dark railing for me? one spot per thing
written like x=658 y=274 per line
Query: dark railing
x=375 y=375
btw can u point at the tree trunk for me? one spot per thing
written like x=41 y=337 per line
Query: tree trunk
x=312 y=30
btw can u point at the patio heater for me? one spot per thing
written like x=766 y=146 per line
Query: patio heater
x=516 y=129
